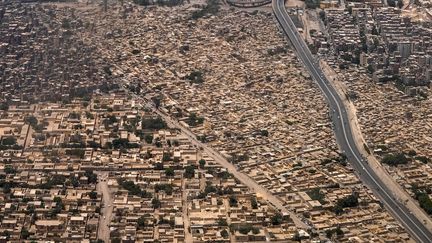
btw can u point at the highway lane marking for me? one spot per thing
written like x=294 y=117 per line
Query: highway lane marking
x=343 y=124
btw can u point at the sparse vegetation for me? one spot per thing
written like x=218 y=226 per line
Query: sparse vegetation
x=334 y=232
x=312 y=4
x=196 y=77
x=316 y=194
x=212 y=7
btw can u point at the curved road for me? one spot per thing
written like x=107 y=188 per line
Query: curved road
x=343 y=131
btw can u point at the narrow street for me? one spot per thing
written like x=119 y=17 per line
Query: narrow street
x=107 y=206
x=243 y=178
x=186 y=220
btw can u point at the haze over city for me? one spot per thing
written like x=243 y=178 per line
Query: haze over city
x=215 y=121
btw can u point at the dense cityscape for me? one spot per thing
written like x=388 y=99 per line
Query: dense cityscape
x=215 y=121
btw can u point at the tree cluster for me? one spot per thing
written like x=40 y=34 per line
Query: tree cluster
x=133 y=188
x=153 y=123
x=167 y=188
x=316 y=194
x=422 y=196
x=76 y=152
x=194 y=120
x=245 y=229
x=346 y=202
x=120 y=143
x=278 y=219
x=394 y=159
x=336 y=231
x=189 y=171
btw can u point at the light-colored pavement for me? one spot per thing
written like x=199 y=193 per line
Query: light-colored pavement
x=344 y=134
x=107 y=209
x=186 y=219
x=400 y=194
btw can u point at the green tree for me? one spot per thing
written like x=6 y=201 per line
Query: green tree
x=196 y=77
x=202 y=163
x=254 y=203
x=245 y=229
x=153 y=123
x=233 y=201
x=316 y=194
x=93 y=195
x=193 y=120
x=394 y=159
x=24 y=233
x=31 y=120
x=6 y=234
x=9 y=141
x=189 y=171
x=422 y=159
x=423 y=199
x=148 y=138
x=4 y=106
x=346 y=202
x=141 y=222
x=167 y=188
x=412 y=153
x=166 y=157
x=224 y=234
x=9 y=170
x=222 y=222
x=159 y=166
x=264 y=133
x=322 y=15
x=91 y=177
x=276 y=219
x=169 y=172
x=156 y=203
x=312 y=4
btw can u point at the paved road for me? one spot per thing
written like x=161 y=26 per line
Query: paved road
x=106 y=211
x=343 y=132
x=243 y=178
x=186 y=219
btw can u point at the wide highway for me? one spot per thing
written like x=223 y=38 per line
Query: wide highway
x=343 y=131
